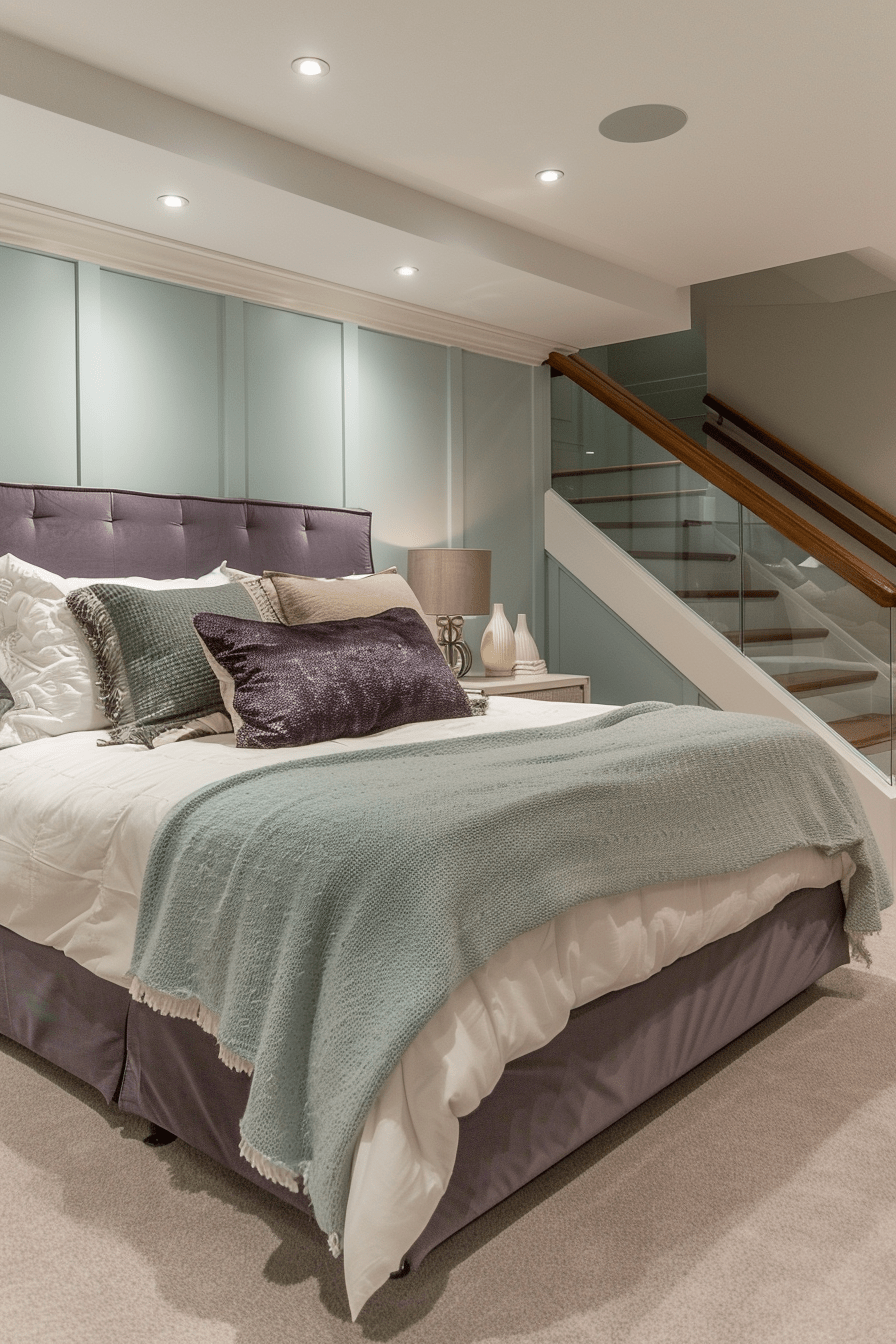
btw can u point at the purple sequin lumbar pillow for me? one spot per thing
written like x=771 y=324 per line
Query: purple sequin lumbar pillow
x=288 y=685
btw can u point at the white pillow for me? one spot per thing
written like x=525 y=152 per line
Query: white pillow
x=44 y=659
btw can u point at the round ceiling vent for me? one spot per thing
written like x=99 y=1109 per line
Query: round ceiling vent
x=646 y=121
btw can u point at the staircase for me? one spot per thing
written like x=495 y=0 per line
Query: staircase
x=798 y=598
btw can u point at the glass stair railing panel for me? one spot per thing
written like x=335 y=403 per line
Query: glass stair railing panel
x=821 y=639
x=837 y=659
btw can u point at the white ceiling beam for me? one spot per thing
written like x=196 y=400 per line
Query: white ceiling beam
x=58 y=83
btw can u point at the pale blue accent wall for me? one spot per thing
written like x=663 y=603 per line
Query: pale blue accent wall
x=233 y=471
x=498 y=480
x=668 y=372
x=38 y=357
x=400 y=471
x=117 y=380
x=90 y=404
x=293 y=406
x=161 y=385
x=586 y=637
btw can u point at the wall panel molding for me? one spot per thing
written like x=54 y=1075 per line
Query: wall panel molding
x=455 y=438
x=541 y=481
x=234 y=460
x=89 y=388
x=44 y=228
x=351 y=424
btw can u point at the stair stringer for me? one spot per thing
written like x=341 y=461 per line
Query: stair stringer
x=703 y=655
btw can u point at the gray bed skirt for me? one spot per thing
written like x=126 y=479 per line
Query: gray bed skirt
x=613 y=1054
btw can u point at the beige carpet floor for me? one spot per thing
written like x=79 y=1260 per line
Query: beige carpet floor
x=753 y=1201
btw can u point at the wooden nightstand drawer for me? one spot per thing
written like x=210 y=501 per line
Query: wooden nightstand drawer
x=572 y=690
x=571 y=694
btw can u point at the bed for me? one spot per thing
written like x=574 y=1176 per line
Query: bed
x=733 y=950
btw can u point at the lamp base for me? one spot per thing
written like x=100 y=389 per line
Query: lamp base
x=454 y=647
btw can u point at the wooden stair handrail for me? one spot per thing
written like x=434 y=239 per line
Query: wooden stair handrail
x=796 y=459
x=802 y=533
x=802 y=492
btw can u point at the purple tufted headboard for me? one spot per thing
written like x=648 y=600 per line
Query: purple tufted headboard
x=75 y=530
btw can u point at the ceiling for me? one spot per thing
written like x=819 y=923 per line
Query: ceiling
x=422 y=143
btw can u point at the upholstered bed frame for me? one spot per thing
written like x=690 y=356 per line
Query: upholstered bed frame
x=102 y=534
x=613 y=1054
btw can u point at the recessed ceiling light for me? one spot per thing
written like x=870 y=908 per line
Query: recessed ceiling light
x=405 y=270
x=643 y=122
x=311 y=66
x=549 y=175
x=174 y=202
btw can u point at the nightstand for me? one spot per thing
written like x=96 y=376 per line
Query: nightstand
x=545 y=686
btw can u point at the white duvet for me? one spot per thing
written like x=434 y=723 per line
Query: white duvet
x=76 y=825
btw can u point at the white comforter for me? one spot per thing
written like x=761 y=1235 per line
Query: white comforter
x=76 y=825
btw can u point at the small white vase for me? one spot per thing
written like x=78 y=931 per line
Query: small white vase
x=498 y=648
x=526 y=648
x=526 y=660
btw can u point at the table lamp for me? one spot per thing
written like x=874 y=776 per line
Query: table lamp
x=450 y=584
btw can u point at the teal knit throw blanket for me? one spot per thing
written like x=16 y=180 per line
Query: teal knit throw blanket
x=314 y=914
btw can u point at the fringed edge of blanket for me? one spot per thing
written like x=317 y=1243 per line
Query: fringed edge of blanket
x=280 y=1175
x=273 y=1171
x=858 y=949
x=194 y=1010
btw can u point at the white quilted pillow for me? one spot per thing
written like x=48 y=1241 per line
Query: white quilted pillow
x=44 y=660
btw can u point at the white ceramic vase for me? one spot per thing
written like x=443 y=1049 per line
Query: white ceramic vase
x=526 y=659
x=498 y=647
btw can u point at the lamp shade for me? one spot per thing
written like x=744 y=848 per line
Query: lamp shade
x=451 y=582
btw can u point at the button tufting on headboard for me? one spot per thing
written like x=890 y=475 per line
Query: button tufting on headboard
x=74 y=530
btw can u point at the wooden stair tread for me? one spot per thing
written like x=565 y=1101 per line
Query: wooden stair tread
x=820 y=680
x=754 y=594
x=624 y=466
x=864 y=730
x=683 y=555
x=778 y=634
x=630 y=499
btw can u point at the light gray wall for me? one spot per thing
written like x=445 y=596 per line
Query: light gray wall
x=819 y=375
x=116 y=380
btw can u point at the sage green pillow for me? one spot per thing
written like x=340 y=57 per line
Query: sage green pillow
x=153 y=675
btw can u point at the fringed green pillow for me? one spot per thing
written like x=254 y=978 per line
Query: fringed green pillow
x=153 y=676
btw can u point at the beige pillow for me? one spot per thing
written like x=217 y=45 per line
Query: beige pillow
x=305 y=601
